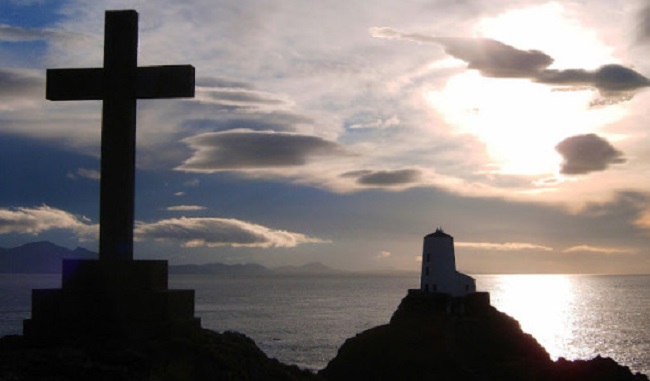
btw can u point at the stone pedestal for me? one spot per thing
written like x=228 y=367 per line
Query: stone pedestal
x=109 y=298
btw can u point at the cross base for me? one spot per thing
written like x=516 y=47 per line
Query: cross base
x=112 y=299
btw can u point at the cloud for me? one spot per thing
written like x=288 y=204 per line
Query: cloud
x=34 y=221
x=598 y=250
x=492 y=58
x=185 y=208
x=192 y=183
x=496 y=59
x=371 y=121
x=643 y=29
x=244 y=97
x=220 y=82
x=239 y=96
x=225 y=104
x=587 y=153
x=280 y=121
x=383 y=255
x=214 y=232
x=22 y=83
x=85 y=173
x=16 y=34
x=241 y=150
x=642 y=221
x=609 y=79
x=385 y=178
x=508 y=246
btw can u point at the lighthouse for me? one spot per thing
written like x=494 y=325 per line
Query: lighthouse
x=439 y=273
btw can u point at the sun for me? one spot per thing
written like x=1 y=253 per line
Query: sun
x=519 y=121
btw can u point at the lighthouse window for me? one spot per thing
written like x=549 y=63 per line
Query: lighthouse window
x=435 y=288
x=426 y=271
x=428 y=257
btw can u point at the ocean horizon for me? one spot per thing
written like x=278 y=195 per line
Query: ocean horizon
x=303 y=319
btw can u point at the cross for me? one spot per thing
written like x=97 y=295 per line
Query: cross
x=119 y=84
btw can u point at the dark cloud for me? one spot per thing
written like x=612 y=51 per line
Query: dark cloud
x=385 y=178
x=233 y=150
x=492 y=58
x=496 y=59
x=213 y=232
x=608 y=78
x=20 y=83
x=619 y=78
x=587 y=153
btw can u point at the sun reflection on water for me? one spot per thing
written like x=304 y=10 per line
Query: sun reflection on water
x=543 y=305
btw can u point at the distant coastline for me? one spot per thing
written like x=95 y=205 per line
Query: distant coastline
x=45 y=257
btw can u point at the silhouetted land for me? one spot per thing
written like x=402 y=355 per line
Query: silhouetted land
x=436 y=337
x=203 y=355
x=45 y=258
x=430 y=337
x=39 y=258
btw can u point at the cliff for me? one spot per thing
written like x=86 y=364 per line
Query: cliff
x=436 y=337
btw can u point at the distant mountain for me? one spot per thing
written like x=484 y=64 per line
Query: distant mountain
x=220 y=269
x=309 y=268
x=45 y=258
x=314 y=268
x=39 y=258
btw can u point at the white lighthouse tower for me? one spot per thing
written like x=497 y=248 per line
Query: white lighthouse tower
x=439 y=273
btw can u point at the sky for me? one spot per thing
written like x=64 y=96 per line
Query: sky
x=343 y=132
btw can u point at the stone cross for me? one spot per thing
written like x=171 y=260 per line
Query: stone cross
x=119 y=84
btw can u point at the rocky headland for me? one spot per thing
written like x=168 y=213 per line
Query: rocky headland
x=437 y=337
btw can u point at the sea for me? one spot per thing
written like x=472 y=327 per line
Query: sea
x=304 y=319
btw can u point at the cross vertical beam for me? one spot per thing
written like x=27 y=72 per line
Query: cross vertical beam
x=117 y=188
x=119 y=84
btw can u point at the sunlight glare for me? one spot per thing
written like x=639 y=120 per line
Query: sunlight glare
x=550 y=29
x=543 y=305
x=520 y=121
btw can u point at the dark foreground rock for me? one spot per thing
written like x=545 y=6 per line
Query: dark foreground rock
x=436 y=337
x=204 y=355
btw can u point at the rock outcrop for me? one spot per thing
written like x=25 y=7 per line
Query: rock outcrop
x=437 y=337
x=202 y=355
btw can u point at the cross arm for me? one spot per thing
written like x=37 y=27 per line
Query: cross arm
x=74 y=84
x=172 y=81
